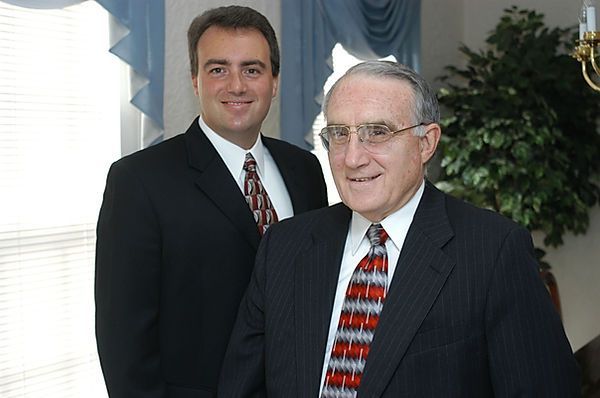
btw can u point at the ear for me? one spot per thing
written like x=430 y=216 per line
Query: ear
x=428 y=143
x=275 y=86
x=195 y=85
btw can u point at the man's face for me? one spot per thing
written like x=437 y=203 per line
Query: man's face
x=375 y=183
x=235 y=83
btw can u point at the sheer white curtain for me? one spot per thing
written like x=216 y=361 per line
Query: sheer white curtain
x=59 y=131
x=341 y=62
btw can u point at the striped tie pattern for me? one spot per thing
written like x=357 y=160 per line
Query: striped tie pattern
x=257 y=197
x=360 y=314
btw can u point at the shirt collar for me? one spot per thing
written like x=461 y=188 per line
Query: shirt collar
x=396 y=224
x=233 y=155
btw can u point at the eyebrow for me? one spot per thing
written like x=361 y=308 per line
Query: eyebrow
x=381 y=121
x=220 y=61
x=387 y=123
x=254 y=62
x=216 y=61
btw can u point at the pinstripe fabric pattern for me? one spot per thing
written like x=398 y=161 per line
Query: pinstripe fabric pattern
x=466 y=314
x=358 y=319
x=257 y=198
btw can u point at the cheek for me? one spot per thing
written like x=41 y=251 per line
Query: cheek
x=336 y=162
x=210 y=88
x=261 y=88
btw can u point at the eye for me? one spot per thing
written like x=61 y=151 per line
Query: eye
x=376 y=130
x=337 y=133
x=216 y=71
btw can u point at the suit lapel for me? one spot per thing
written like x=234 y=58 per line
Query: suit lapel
x=217 y=184
x=287 y=169
x=314 y=291
x=420 y=275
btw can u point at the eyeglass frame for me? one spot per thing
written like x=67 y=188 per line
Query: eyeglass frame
x=350 y=132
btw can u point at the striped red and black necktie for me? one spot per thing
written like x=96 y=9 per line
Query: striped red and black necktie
x=257 y=197
x=360 y=314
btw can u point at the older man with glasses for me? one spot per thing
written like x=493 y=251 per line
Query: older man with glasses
x=401 y=290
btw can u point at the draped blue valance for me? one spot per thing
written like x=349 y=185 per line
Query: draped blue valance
x=368 y=29
x=43 y=4
x=142 y=48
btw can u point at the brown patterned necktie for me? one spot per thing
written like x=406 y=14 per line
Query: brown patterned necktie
x=358 y=320
x=257 y=197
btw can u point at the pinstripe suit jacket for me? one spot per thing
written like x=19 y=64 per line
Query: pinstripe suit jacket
x=466 y=314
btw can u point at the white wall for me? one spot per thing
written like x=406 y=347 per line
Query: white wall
x=576 y=264
x=441 y=32
x=480 y=16
x=181 y=106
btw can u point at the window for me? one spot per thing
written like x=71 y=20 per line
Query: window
x=59 y=132
x=342 y=61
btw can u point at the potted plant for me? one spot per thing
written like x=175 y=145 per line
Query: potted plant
x=521 y=133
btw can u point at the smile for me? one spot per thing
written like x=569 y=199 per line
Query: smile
x=364 y=179
x=236 y=103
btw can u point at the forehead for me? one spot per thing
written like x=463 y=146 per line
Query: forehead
x=362 y=99
x=219 y=42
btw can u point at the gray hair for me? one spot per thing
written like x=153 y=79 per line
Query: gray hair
x=426 y=109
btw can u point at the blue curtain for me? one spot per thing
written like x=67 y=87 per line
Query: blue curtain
x=142 y=48
x=368 y=29
x=43 y=4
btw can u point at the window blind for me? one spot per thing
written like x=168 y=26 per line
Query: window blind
x=59 y=132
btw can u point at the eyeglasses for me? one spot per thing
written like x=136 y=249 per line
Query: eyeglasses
x=336 y=136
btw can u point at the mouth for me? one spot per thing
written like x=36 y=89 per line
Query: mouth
x=236 y=103
x=364 y=179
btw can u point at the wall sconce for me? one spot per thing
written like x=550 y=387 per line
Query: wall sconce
x=588 y=45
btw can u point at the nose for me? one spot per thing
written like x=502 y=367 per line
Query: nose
x=237 y=85
x=355 y=155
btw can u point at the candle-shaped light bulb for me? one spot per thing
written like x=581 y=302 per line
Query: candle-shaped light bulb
x=582 y=21
x=590 y=9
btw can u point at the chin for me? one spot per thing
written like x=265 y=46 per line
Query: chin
x=367 y=212
x=362 y=202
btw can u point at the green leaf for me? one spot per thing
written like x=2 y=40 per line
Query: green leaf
x=520 y=133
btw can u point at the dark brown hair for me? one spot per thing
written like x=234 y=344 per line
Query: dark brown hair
x=232 y=17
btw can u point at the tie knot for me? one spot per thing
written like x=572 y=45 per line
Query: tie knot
x=377 y=235
x=249 y=163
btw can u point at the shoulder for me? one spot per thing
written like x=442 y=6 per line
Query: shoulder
x=304 y=167
x=437 y=207
x=159 y=158
x=171 y=153
x=333 y=214
x=281 y=147
x=483 y=230
x=465 y=214
x=295 y=239
x=157 y=166
x=166 y=151
x=306 y=227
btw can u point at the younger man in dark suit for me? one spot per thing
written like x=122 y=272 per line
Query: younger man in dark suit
x=401 y=291
x=181 y=221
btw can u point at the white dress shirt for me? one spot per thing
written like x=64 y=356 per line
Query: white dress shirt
x=234 y=157
x=357 y=246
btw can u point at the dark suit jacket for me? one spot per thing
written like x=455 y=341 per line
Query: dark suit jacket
x=466 y=313
x=175 y=250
